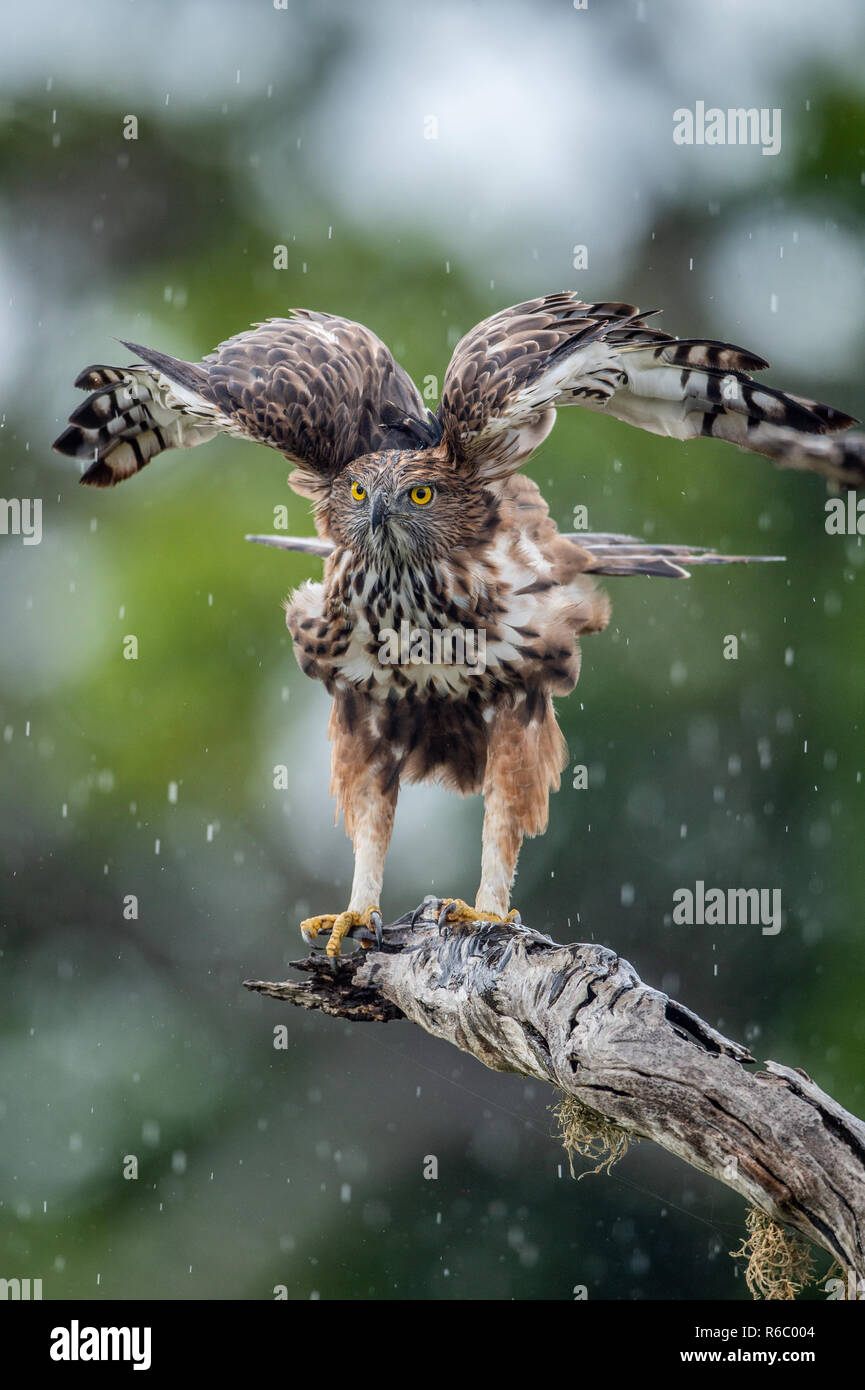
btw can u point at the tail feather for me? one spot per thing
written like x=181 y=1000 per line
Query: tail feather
x=621 y=556
x=607 y=552
x=131 y=415
x=306 y=545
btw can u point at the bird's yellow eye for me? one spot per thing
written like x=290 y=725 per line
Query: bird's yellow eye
x=358 y=491
x=421 y=495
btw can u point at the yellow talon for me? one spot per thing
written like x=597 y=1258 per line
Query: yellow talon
x=311 y=926
x=454 y=910
x=339 y=924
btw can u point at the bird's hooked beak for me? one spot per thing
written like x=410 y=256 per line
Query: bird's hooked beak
x=379 y=512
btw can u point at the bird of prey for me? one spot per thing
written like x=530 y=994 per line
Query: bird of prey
x=426 y=526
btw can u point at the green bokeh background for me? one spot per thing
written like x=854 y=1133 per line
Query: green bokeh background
x=303 y=1167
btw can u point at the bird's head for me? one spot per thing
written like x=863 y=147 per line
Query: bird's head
x=406 y=505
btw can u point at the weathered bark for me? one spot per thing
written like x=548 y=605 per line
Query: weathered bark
x=580 y=1018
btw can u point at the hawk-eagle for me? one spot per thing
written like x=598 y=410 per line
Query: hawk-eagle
x=427 y=527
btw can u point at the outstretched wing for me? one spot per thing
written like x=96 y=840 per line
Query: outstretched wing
x=321 y=389
x=509 y=374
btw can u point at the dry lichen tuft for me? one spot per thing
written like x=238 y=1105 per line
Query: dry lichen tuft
x=780 y=1264
x=590 y=1135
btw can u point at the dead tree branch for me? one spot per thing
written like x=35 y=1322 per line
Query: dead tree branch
x=580 y=1018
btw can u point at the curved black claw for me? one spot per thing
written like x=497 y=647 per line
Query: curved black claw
x=375 y=923
x=443 y=916
x=418 y=912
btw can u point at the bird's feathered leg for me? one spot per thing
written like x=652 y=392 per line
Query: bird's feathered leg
x=524 y=764
x=366 y=793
